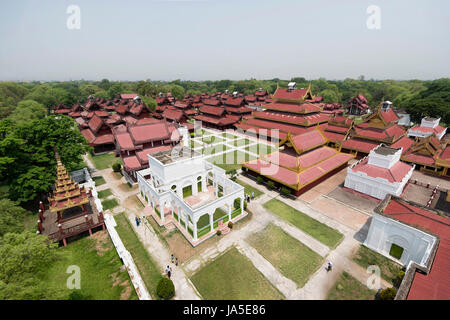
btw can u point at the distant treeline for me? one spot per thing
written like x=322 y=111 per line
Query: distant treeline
x=29 y=100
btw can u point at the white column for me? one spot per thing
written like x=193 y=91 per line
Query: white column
x=195 y=188
x=242 y=205
x=211 y=221
x=204 y=184
x=186 y=222
x=195 y=229
x=179 y=213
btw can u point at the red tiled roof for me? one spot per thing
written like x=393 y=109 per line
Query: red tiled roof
x=419 y=158
x=239 y=110
x=338 y=129
x=436 y=284
x=217 y=111
x=294 y=108
x=175 y=115
x=88 y=134
x=131 y=163
x=142 y=155
x=137 y=109
x=101 y=113
x=437 y=130
x=211 y=102
x=63 y=111
x=446 y=153
x=295 y=94
x=394 y=132
x=146 y=120
x=308 y=140
x=394 y=174
x=274 y=125
x=389 y=115
x=104 y=139
x=359 y=145
x=121 y=109
x=403 y=142
x=234 y=102
x=95 y=123
x=333 y=136
x=217 y=121
x=181 y=105
x=124 y=141
x=149 y=132
x=305 y=120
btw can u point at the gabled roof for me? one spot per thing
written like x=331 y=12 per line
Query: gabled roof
x=305 y=141
x=294 y=108
x=217 y=111
x=234 y=102
x=292 y=95
x=95 y=123
x=128 y=95
x=174 y=115
x=211 y=102
x=394 y=174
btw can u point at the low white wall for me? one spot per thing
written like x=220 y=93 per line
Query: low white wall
x=384 y=232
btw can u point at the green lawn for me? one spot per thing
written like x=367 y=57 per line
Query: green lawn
x=104 y=161
x=212 y=139
x=229 y=135
x=214 y=149
x=366 y=257
x=241 y=142
x=232 y=276
x=109 y=204
x=147 y=267
x=314 y=228
x=231 y=160
x=104 y=193
x=348 y=288
x=194 y=144
x=261 y=148
x=99 y=180
x=101 y=277
x=291 y=257
x=248 y=189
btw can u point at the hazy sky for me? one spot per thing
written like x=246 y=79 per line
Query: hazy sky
x=223 y=39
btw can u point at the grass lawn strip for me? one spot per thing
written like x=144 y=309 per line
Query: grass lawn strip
x=349 y=288
x=248 y=189
x=104 y=161
x=232 y=276
x=292 y=258
x=147 y=267
x=366 y=257
x=314 y=228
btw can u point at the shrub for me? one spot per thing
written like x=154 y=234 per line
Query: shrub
x=260 y=180
x=230 y=225
x=388 y=294
x=165 y=289
x=270 y=184
x=218 y=232
x=116 y=167
x=398 y=280
x=237 y=203
x=285 y=191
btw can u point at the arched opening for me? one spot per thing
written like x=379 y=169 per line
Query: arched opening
x=203 y=225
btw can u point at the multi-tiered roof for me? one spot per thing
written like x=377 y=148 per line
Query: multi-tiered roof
x=67 y=193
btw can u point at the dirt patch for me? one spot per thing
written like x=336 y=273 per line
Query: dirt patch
x=133 y=202
x=102 y=242
x=125 y=295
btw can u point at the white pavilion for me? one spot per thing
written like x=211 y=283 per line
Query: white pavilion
x=182 y=187
x=380 y=173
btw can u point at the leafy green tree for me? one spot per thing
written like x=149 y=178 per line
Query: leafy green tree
x=27 y=111
x=149 y=102
x=11 y=217
x=25 y=258
x=115 y=90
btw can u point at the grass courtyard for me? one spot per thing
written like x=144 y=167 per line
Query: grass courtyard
x=366 y=257
x=291 y=257
x=349 y=288
x=232 y=276
x=248 y=189
x=104 y=161
x=261 y=148
x=99 y=180
x=231 y=160
x=314 y=228
x=102 y=274
x=104 y=193
x=110 y=204
x=148 y=269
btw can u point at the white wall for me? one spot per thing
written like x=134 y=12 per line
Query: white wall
x=384 y=232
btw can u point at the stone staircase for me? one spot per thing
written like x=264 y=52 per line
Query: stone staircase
x=223 y=228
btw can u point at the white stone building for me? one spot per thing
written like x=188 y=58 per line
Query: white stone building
x=182 y=186
x=380 y=173
x=427 y=127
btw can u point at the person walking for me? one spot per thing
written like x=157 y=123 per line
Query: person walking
x=176 y=261
x=253 y=195
x=172 y=258
x=330 y=266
